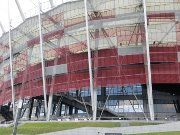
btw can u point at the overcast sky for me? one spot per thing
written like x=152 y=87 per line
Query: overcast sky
x=29 y=8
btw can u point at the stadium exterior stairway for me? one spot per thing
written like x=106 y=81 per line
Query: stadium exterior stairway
x=85 y=106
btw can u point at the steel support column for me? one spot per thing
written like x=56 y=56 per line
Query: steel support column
x=49 y=106
x=20 y=10
x=10 y=61
x=148 y=64
x=94 y=103
x=42 y=60
x=18 y=114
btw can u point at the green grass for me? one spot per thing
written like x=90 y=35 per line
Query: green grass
x=39 y=128
x=55 y=126
x=162 y=133
x=44 y=127
x=5 y=131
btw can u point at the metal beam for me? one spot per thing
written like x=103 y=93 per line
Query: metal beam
x=42 y=60
x=51 y=3
x=94 y=110
x=20 y=10
x=148 y=64
x=2 y=28
x=58 y=108
x=10 y=62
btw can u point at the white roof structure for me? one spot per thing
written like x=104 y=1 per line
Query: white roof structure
x=29 y=8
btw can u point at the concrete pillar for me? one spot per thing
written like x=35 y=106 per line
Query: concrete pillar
x=9 y=105
x=177 y=105
x=103 y=95
x=66 y=110
x=31 y=102
x=78 y=96
x=145 y=101
x=76 y=111
x=70 y=110
x=38 y=108
x=145 y=106
x=58 y=109
x=54 y=108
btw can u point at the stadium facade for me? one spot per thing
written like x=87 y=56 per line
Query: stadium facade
x=125 y=65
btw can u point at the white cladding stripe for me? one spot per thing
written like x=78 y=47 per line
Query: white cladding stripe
x=57 y=69
x=161 y=5
x=122 y=51
x=178 y=56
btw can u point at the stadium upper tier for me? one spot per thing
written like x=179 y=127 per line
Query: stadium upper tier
x=117 y=40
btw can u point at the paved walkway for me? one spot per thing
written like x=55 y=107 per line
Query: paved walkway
x=174 y=126
x=6 y=125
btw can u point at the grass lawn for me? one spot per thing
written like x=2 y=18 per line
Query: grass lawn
x=44 y=127
x=162 y=133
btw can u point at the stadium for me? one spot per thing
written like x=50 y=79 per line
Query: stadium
x=110 y=59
